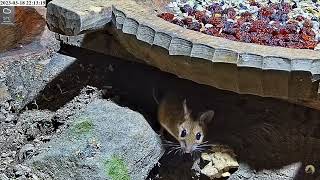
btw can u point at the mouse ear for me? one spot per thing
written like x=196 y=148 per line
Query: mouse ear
x=186 y=111
x=206 y=117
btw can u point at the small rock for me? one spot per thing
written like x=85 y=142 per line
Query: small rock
x=2 y=117
x=3 y=177
x=21 y=170
x=26 y=151
x=9 y=118
x=8 y=154
x=208 y=26
x=317 y=48
x=3 y=155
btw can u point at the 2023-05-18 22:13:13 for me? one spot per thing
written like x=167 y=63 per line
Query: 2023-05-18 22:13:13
x=22 y=3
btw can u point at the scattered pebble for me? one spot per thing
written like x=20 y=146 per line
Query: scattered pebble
x=3 y=177
x=26 y=151
x=21 y=170
x=286 y=23
x=310 y=169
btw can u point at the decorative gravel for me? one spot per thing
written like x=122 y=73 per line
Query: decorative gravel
x=286 y=23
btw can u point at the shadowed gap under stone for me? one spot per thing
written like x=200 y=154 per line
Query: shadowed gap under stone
x=266 y=133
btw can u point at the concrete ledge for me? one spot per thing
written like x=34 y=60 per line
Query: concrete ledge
x=290 y=74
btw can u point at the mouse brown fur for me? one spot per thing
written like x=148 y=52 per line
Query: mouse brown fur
x=185 y=125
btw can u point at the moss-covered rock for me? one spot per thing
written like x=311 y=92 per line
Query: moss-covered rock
x=116 y=168
x=104 y=141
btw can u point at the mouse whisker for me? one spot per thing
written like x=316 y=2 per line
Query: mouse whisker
x=173 y=149
x=205 y=145
x=199 y=149
x=169 y=142
x=177 y=150
x=171 y=145
x=181 y=152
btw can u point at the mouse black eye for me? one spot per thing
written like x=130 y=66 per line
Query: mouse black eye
x=183 y=133
x=198 y=136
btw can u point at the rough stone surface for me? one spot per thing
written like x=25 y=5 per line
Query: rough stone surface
x=285 y=173
x=21 y=135
x=25 y=79
x=22 y=68
x=102 y=131
x=87 y=16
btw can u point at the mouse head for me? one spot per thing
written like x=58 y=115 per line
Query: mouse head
x=192 y=131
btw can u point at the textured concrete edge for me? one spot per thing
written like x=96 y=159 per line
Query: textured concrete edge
x=176 y=44
x=75 y=22
x=132 y=19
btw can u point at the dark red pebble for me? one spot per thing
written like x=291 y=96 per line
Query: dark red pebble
x=299 y=18
x=178 y=22
x=199 y=15
x=231 y=13
x=166 y=16
x=194 y=26
x=307 y=23
x=266 y=11
x=281 y=32
x=215 y=8
x=187 y=21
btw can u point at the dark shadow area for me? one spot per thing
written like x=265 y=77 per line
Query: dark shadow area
x=265 y=133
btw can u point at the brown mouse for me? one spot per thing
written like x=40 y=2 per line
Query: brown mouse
x=177 y=119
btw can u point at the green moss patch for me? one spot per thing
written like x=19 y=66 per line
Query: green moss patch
x=83 y=126
x=116 y=169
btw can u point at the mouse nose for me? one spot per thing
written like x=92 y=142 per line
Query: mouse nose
x=188 y=149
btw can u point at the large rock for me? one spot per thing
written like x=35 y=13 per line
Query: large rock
x=105 y=141
x=25 y=79
x=25 y=70
x=285 y=173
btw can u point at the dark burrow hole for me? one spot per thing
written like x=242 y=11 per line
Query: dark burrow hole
x=265 y=133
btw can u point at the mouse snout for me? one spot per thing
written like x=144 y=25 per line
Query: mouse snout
x=187 y=148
